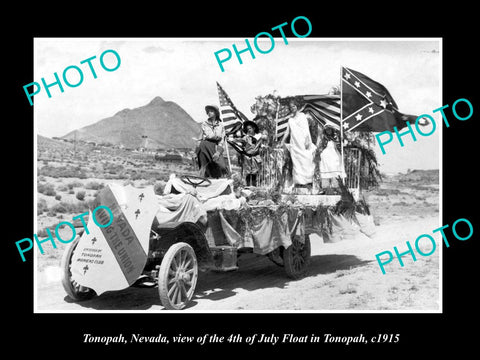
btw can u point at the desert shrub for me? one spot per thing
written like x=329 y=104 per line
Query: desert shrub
x=62 y=187
x=63 y=171
x=113 y=168
x=136 y=176
x=58 y=208
x=73 y=184
x=76 y=208
x=162 y=176
x=421 y=187
x=386 y=192
x=151 y=181
x=128 y=182
x=93 y=185
x=46 y=189
x=58 y=197
x=71 y=191
x=42 y=233
x=64 y=207
x=41 y=206
x=80 y=195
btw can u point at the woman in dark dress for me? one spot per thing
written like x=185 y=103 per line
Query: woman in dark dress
x=210 y=150
x=252 y=160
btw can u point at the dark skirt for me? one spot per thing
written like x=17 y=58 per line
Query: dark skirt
x=208 y=167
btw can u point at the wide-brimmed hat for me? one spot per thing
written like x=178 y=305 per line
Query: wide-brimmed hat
x=214 y=108
x=251 y=123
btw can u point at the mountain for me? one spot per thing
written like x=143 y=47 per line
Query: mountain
x=165 y=124
x=44 y=143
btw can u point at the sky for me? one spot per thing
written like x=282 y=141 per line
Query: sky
x=186 y=71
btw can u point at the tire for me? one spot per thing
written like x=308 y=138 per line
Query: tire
x=72 y=288
x=178 y=276
x=296 y=258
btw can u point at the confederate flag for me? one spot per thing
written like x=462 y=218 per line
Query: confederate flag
x=368 y=106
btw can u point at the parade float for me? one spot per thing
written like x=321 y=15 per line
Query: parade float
x=200 y=224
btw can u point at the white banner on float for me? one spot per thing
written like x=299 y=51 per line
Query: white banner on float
x=113 y=257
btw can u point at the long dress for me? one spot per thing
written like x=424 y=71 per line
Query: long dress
x=331 y=162
x=212 y=135
x=302 y=158
x=252 y=159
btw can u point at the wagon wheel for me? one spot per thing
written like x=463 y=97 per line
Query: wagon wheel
x=177 y=277
x=73 y=289
x=297 y=257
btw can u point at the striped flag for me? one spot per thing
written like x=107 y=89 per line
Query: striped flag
x=231 y=117
x=325 y=109
x=281 y=124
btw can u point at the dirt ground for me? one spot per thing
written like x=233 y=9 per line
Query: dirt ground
x=342 y=276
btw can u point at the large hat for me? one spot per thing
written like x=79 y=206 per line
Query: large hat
x=251 y=123
x=214 y=108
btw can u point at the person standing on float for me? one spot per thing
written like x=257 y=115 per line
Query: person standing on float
x=301 y=147
x=331 y=164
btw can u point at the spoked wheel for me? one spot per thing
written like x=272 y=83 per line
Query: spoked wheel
x=297 y=257
x=177 y=277
x=72 y=288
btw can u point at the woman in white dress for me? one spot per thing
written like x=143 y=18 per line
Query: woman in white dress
x=301 y=147
x=331 y=165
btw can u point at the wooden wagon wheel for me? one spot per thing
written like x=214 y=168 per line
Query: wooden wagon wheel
x=72 y=288
x=297 y=257
x=177 y=277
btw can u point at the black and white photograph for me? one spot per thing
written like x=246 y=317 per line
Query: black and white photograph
x=255 y=188
x=212 y=181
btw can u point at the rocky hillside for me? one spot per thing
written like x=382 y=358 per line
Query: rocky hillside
x=159 y=124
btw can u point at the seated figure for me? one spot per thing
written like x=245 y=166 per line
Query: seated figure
x=209 y=151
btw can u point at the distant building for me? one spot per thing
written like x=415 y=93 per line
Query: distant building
x=170 y=158
x=184 y=150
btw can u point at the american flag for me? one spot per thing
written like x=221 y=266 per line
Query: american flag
x=231 y=117
x=281 y=124
x=323 y=108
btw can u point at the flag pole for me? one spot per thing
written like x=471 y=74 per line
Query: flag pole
x=225 y=140
x=228 y=154
x=276 y=119
x=341 y=115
